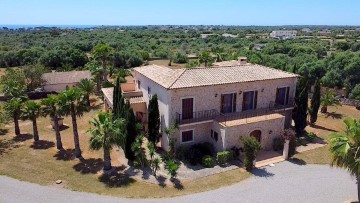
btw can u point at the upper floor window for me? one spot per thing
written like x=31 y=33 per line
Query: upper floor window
x=282 y=95
x=149 y=90
x=250 y=100
x=228 y=103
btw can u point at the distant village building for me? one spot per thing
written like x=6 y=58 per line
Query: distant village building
x=204 y=36
x=283 y=34
x=258 y=47
x=229 y=35
x=325 y=32
x=59 y=81
x=307 y=30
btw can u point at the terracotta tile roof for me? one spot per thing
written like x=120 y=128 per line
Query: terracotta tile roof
x=162 y=75
x=136 y=100
x=65 y=77
x=184 y=78
x=226 y=63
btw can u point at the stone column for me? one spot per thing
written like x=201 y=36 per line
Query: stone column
x=286 y=149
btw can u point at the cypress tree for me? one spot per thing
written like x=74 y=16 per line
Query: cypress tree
x=130 y=134
x=301 y=106
x=315 y=102
x=116 y=98
x=153 y=120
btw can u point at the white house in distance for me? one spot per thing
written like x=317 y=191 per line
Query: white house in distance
x=216 y=104
x=59 y=81
x=283 y=34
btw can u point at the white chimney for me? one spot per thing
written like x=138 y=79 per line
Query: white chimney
x=242 y=60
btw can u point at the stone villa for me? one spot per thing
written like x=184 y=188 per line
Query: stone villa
x=216 y=104
x=283 y=34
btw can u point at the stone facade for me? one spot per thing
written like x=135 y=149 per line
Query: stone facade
x=208 y=98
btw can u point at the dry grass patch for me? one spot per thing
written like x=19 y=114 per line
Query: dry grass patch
x=41 y=163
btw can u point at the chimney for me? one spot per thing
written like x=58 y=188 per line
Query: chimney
x=242 y=60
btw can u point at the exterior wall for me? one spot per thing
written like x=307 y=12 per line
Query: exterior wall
x=204 y=97
x=163 y=100
x=127 y=87
x=201 y=133
x=274 y=126
x=58 y=87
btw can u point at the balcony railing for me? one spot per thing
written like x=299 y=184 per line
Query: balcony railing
x=213 y=114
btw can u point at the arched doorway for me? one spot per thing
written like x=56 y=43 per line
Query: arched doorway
x=256 y=134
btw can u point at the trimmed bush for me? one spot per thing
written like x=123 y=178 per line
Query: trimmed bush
x=196 y=152
x=208 y=161
x=223 y=158
x=251 y=147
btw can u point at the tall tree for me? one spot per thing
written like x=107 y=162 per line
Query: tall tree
x=315 y=102
x=206 y=58
x=96 y=72
x=153 y=120
x=71 y=103
x=107 y=133
x=87 y=88
x=13 y=83
x=50 y=107
x=345 y=149
x=219 y=53
x=33 y=75
x=301 y=105
x=328 y=100
x=131 y=133
x=13 y=108
x=117 y=97
x=31 y=111
x=102 y=53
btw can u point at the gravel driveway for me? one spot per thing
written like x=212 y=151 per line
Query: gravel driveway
x=285 y=182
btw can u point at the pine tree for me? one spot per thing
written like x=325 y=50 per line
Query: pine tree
x=301 y=106
x=315 y=102
x=153 y=120
x=131 y=133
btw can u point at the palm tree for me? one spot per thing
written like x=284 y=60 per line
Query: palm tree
x=87 y=87
x=219 y=52
x=102 y=53
x=31 y=111
x=71 y=103
x=328 y=100
x=107 y=133
x=50 y=108
x=206 y=58
x=13 y=108
x=345 y=149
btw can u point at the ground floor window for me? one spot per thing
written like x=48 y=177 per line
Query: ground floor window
x=187 y=136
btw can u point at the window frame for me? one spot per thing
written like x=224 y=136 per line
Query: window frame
x=287 y=94
x=233 y=105
x=181 y=136
x=255 y=100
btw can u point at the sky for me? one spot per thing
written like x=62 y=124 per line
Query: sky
x=180 y=12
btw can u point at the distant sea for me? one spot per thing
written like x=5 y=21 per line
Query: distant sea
x=57 y=26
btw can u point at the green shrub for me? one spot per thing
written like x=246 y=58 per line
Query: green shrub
x=278 y=144
x=180 y=58
x=172 y=167
x=107 y=84
x=251 y=147
x=208 y=161
x=223 y=158
x=310 y=137
x=196 y=152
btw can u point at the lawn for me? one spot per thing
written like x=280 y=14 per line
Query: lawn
x=326 y=124
x=41 y=163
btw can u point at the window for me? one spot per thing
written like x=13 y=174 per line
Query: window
x=138 y=84
x=250 y=100
x=214 y=135
x=149 y=90
x=282 y=96
x=228 y=103
x=187 y=136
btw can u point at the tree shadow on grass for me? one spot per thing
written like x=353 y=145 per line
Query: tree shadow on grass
x=42 y=144
x=177 y=184
x=64 y=155
x=86 y=166
x=6 y=146
x=22 y=137
x=161 y=180
x=333 y=115
x=261 y=172
x=322 y=128
x=297 y=161
x=116 y=178
x=4 y=131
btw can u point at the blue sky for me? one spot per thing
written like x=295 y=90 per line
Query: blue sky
x=180 y=12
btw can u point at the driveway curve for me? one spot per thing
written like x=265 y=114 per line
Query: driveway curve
x=285 y=182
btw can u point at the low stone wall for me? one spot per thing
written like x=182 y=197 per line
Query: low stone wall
x=350 y=102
